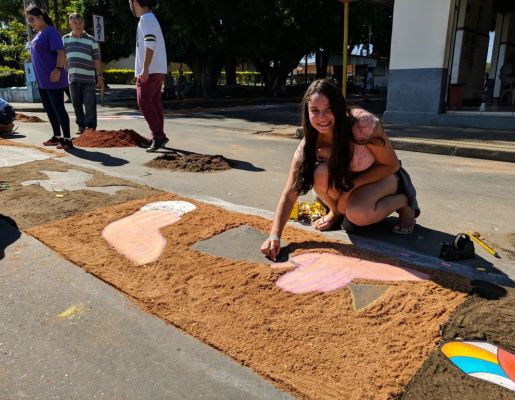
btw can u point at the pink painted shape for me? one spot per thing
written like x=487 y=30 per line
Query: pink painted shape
x=319 y=272
x=137 y=236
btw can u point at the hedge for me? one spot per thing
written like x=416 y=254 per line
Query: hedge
x=120 y=76
x=11 y=77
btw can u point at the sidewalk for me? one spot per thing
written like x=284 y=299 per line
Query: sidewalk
x=494 y=145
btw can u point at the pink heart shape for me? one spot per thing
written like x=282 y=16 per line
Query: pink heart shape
x=137 y=236
x=324 y=272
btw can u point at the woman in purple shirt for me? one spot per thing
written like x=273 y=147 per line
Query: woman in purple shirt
x=48 y=58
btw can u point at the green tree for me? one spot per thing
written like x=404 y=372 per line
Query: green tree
x=119 y=26
x=13 y=37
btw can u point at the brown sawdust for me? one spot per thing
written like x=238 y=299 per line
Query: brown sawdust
x=490 y=319
x=102 y=138
x=314 y=345
x=7 y=142
x=28 y=118
x=193 y=162
x=34 y=205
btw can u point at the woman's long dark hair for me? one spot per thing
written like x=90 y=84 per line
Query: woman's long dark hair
x=36 y=11
x=341 y=157
x=339 y=164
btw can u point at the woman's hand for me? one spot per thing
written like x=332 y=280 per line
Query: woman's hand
x=271 y=247
x=55 y=75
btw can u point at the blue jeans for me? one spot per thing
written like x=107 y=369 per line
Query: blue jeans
x=84 y=102
x=53 y=101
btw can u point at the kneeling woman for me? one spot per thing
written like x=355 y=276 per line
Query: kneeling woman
x=348 y=160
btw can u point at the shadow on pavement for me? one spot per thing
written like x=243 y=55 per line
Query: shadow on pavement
x=376 y=255
x=244 y=165
x=96 y=156
x=426 y=242
x=13 y=136
x=235 y=164
x=9 y=233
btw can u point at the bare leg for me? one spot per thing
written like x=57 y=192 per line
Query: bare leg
x=372 y=203
x=328 y=196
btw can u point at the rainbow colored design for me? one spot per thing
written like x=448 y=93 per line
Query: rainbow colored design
x=484 y=361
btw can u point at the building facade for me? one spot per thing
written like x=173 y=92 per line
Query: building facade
x=446 y=62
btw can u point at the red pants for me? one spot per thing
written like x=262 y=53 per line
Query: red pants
x=149 y=102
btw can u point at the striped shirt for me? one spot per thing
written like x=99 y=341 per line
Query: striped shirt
x=80 y=56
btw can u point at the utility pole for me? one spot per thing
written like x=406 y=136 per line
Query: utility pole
x=345 y=43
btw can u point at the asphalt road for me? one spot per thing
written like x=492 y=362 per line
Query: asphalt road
x=456 y=194
x=65 y=334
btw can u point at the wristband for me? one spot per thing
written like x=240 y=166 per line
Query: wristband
x=100 y=76
x=59 y=68
x=273 y=237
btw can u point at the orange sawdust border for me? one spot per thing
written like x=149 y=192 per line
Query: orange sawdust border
x=7 y=142
x=314 y=345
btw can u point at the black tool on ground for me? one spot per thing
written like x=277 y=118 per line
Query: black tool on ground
x=461 y=248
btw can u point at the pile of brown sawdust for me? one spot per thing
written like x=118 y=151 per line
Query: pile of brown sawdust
x=101 y=138
x=312 y=345
x=28 y=118
x=190 y=162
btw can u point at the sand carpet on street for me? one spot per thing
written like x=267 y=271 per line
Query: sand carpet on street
x=34 y=205
x=489 y=316
x=315 y=345
x=55 y=153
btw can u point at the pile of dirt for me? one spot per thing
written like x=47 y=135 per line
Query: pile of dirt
x=190 y=163
x=28 y=118
x=101 y=138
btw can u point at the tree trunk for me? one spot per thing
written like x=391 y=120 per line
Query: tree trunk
x=56 y=15
x=206 y=72
x=43 y=4
x=322 y=60
x=230 y=72
x=274 y=76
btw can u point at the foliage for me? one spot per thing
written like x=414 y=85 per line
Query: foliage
x=365 y=20
x=120 y=76
x=10 y=77
x=210 y=35
x=119 y=25
x=13 y=52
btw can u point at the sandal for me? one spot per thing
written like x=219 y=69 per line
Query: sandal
x=328 y=223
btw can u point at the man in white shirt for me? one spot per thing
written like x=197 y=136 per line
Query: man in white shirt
x=150 y=70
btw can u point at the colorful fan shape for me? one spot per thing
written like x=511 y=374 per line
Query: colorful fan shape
x=484 y=361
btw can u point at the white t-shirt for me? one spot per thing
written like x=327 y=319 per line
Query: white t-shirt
x=149 y=35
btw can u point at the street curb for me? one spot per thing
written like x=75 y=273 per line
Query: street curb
x=453 y=149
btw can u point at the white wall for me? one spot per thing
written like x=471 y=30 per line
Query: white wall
x=420 y=33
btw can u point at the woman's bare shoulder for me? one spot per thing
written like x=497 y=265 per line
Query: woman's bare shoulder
x=364 y=124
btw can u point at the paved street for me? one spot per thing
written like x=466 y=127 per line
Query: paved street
x=457 y=194
x=144 y=358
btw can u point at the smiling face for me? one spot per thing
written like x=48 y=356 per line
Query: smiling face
x=36 y=22
x=320 y=113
